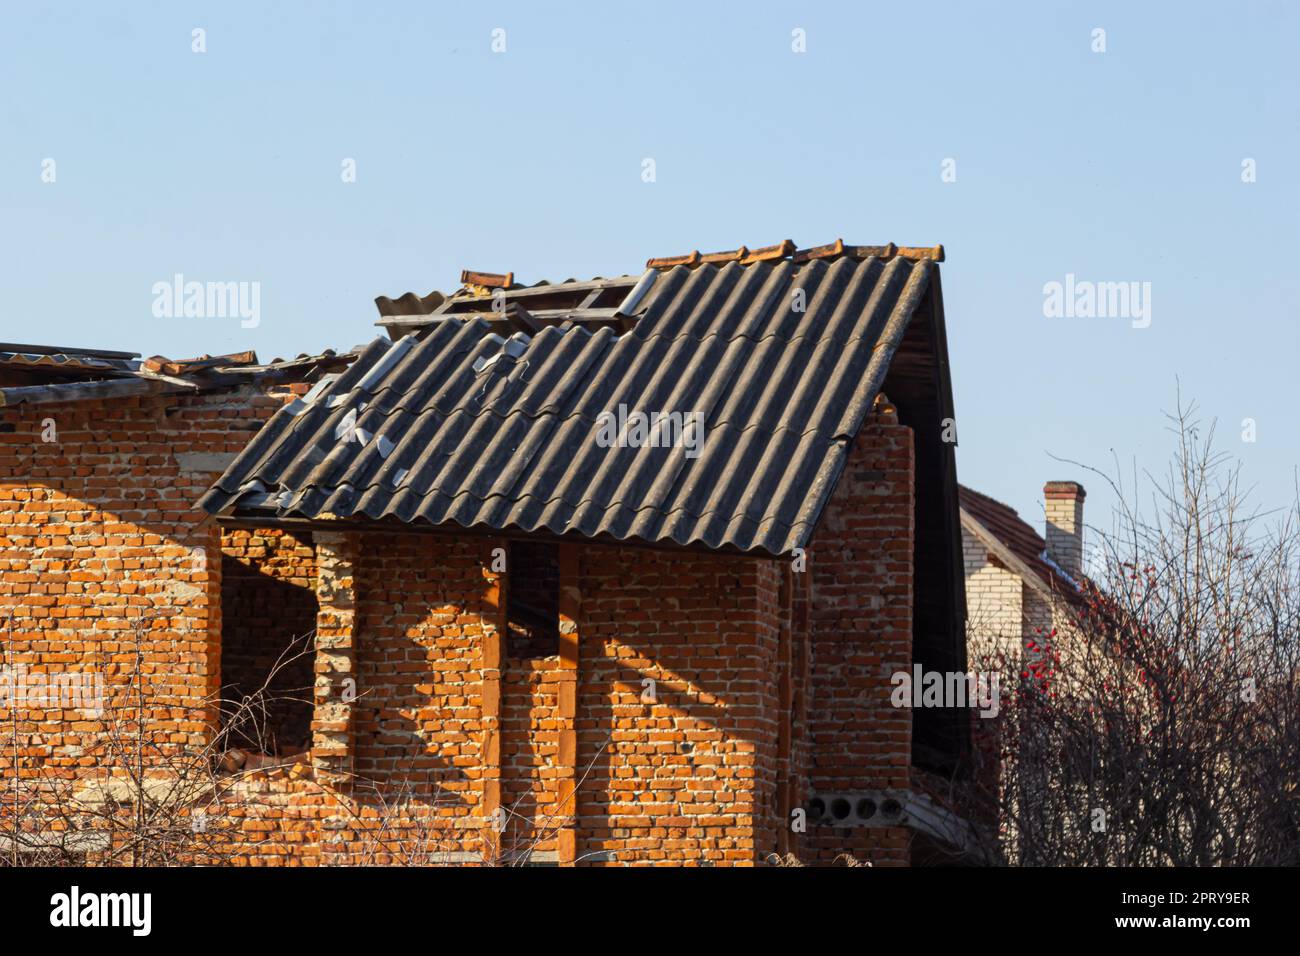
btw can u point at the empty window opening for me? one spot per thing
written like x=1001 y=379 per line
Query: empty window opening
x=268 y=624
x=532 y=600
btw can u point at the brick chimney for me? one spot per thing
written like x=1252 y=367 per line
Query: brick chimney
x=1065 y=525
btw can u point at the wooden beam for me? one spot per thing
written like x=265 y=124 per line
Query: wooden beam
x=162 y=365
x=577 y=315
x=561 y=288
x=451 y=307
x=522 y=320
x=494 y=628
x=180 y=383
x=542 y=316
x=567 y=706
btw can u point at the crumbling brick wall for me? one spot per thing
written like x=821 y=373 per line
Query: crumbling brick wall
x=762 y=676
x=108 y=573
x=105 y=566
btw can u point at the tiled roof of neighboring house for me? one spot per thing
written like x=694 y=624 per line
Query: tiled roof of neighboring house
x=1026 y=544
x=453 y=423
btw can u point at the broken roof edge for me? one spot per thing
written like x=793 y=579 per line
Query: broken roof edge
x=160 y=376
x=411 y=311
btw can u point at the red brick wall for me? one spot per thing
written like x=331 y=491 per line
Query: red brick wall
x=100 y=554
x=107 y=569
x=420 y=619
x=690 y=777
x=860 y=614
x=530 y=737
x=100 y=527
x=702 y=626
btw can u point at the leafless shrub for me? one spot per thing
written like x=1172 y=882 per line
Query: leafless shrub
x=147 y=799
x=1161 y=726
x=141 y=797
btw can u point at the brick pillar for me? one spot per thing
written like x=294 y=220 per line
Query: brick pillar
x=785 y=711
x=567 y=758
x=800 y=666
x=202 y=566
x=494 y=627
x=335 y=690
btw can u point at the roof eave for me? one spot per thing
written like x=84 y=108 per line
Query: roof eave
x=243 y=516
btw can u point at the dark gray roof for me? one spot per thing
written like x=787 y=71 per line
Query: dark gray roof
x=413 y=432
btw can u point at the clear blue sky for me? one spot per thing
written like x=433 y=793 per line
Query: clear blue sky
x=1115 y=166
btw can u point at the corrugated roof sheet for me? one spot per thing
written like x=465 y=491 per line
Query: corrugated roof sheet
x=412 y=432
x=68 y=359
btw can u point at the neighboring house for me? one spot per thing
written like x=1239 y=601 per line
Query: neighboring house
x=1019 y=584
x=1022 y=590
x=534 y=635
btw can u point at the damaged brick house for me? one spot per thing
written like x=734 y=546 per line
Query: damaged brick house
x=107 y=571
x=670 y=647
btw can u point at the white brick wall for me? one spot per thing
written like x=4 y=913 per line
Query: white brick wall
x=994 y=606
x=1003 y=613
